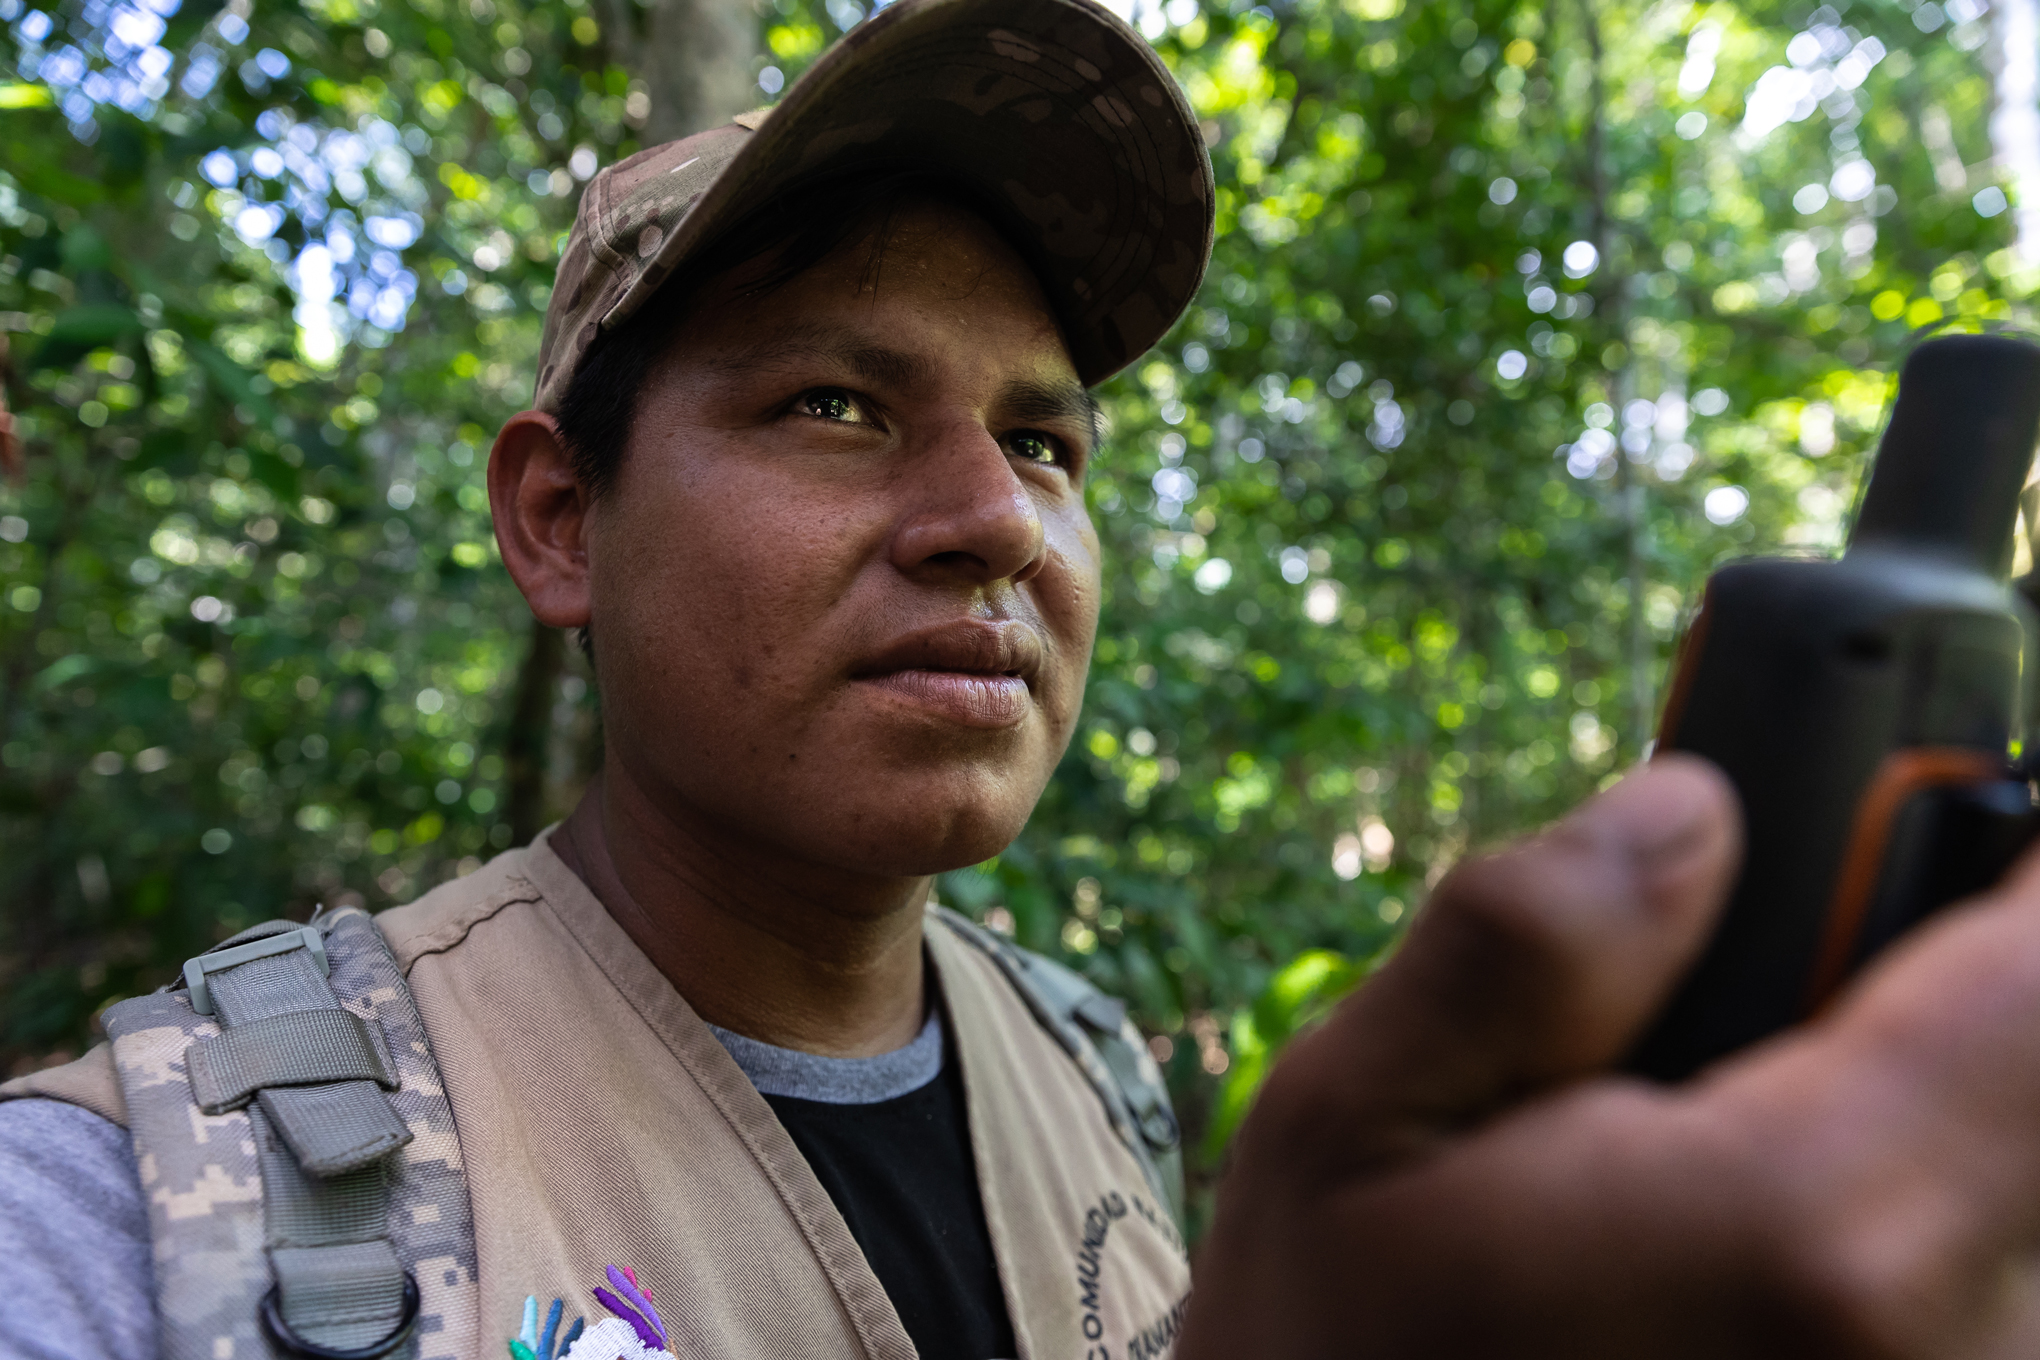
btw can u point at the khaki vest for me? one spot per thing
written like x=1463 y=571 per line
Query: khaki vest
x=600 y=1122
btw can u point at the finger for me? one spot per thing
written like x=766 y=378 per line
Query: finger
x=1876 y=1175
x=1906 y=1123
x=1528 y=967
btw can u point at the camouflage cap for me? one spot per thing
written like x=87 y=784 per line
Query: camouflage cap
x=1053 y=111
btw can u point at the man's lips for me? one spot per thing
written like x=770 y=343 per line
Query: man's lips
x=973 y=672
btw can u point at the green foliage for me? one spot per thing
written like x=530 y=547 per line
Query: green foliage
x=255 y=643
x=1301 y=993
x=1382 y=585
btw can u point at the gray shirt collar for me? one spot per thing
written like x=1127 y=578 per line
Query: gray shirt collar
x=779 y=1071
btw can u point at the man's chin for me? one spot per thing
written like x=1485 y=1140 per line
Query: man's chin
x=921 y=852
x=942 y=806
x=909 y=839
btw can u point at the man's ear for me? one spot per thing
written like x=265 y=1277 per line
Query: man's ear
x=541 y=513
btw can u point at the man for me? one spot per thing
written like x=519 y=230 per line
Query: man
x=806 y=466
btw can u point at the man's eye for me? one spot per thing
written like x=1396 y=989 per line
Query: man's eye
x=1034 y=448
x=831 y=403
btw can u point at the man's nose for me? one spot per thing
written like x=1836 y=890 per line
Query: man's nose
x=969 y=514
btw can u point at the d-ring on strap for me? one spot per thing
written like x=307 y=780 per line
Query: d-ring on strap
x=322 y=1134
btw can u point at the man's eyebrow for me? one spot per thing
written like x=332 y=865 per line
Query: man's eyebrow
x=874 y=363
x=1049 y=403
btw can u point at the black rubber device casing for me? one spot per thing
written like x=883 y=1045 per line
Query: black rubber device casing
x=1864 y=709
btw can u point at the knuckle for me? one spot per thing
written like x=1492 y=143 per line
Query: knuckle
x=1876 y=1288
x=1295 y=1105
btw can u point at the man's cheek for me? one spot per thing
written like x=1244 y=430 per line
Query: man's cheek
x=1074 y=618
x=1079 y=563
x=1062 y=723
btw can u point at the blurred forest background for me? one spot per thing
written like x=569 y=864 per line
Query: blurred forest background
x=1523 y=313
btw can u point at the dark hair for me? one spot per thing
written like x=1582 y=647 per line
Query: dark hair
x=798 y=229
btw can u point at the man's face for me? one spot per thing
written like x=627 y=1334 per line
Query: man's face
x=844 y=586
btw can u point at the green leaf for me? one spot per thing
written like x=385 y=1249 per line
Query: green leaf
x=58 y=185
x=63 y=672
x=80 y=330
x=21 y=96
x=234 y=382
x=1300 y=994
x=93 y=325
x=1302 y=991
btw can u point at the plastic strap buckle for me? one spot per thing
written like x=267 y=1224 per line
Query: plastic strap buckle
x=304 y=937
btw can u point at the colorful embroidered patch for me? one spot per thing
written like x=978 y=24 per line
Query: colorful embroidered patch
x=613 y=1339
x=635 y=1308
x=532 y=1344
x=635 y=1333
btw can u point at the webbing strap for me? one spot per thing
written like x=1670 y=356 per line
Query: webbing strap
x=339 y=1283
x=333 y=1128
x=336 y=1128
x=321 y=1140
x=295 y=1048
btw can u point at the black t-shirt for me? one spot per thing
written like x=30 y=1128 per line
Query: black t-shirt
x=902 y=1174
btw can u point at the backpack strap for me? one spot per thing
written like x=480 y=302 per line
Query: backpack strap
x=1094 y=1030
x=296 y=1144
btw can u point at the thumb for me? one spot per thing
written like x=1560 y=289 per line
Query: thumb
x=1529 y=967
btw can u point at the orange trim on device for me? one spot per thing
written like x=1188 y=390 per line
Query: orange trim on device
x=1682 y=675
x=1902 y=775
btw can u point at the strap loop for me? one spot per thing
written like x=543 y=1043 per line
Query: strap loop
x=292 y=1344
x=261 y=946
x=334 y=1125
x=296 y=1048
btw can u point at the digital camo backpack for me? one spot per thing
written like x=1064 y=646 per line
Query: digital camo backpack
x=299 y=1158
x=297 y=1151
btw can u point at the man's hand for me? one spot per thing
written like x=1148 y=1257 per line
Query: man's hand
x=1444 y=1167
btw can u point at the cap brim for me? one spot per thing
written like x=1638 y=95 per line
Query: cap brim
x=1053 y=113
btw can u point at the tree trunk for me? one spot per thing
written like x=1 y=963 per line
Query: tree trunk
x=696 y=59
x=703 y=72
x=1614 y=309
